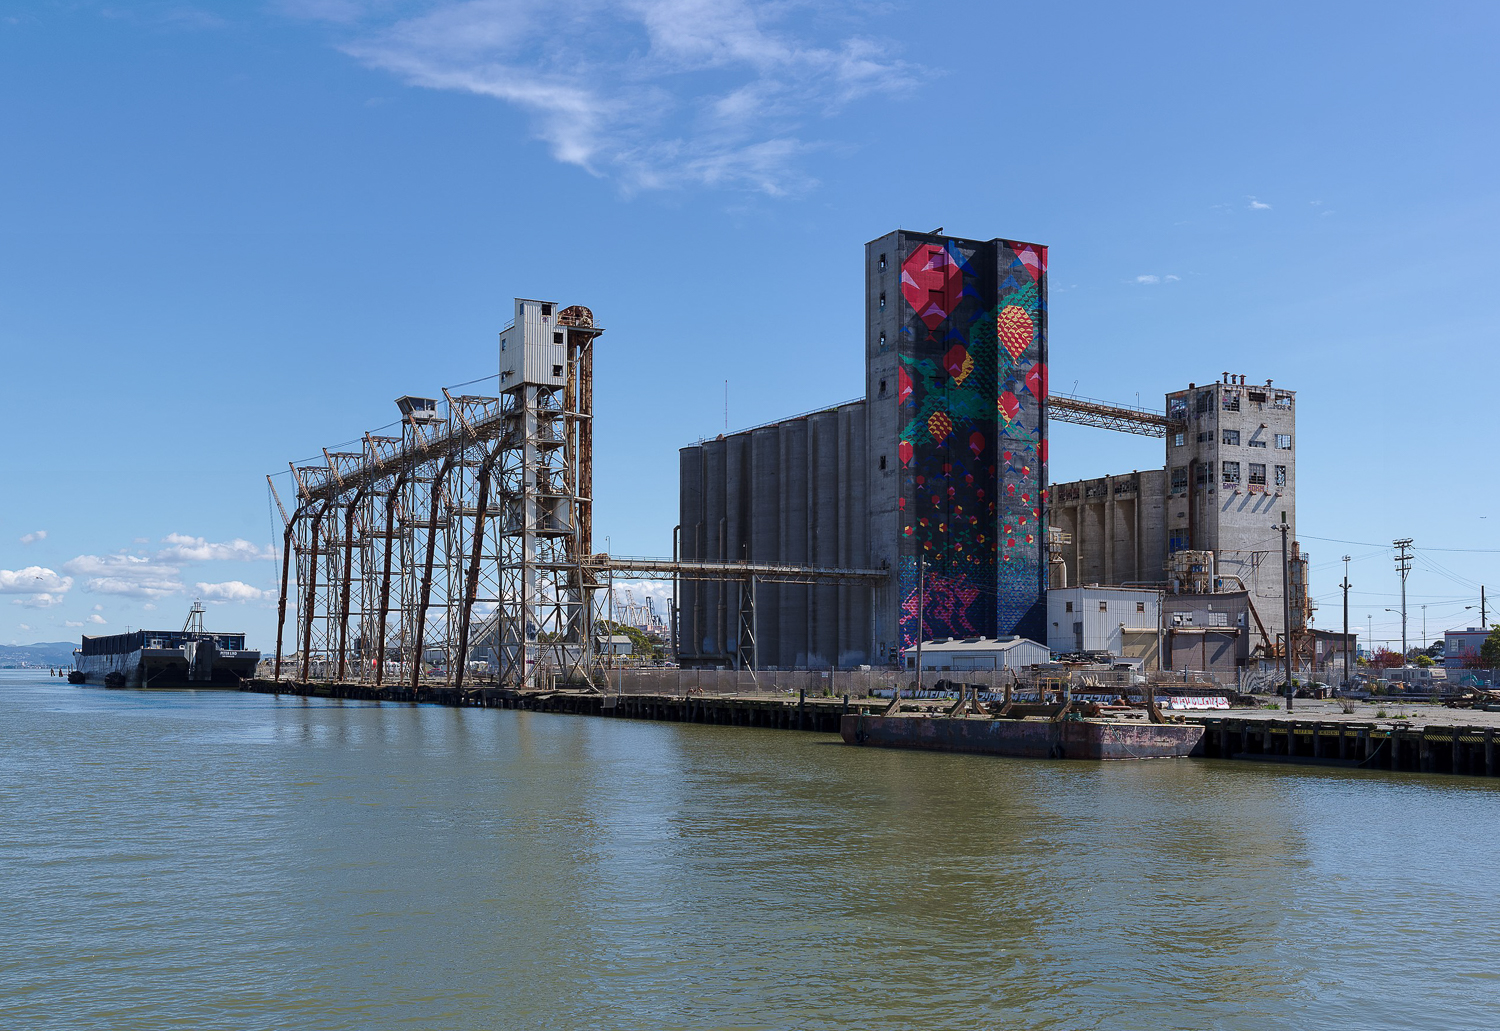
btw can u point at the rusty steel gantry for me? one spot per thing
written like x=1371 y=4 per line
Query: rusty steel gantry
x=464 y=545
x=464 y=535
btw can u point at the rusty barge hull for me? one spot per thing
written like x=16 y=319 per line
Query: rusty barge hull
x=1027 y=739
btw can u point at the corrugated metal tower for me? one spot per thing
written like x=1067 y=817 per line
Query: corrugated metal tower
x=544 y=620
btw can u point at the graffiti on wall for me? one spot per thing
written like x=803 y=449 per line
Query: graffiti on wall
x=973 y=450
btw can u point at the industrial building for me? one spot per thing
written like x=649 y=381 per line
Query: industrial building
x=1228 y=479
x=937 y=476
x=979 y=653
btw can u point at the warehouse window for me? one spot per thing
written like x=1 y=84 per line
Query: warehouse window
x=1104 y=606
x=1179 y=479
x=1257 y=474
x=1232 y=437
x=1231 y=472
x=882 y=263
x=1218 y=619
x=557 y=338
x=1284 y=441
x=1231 y=402
x=1205 y=399
x=1203 y=472
x=1140 y=606
x=1068 y=607
x=1252 y=442
x=882 y=461
x=1178 y=541
x=882 y=388
x=1283 y=401
x=1205 y=437
x=546 y=311
x=557 y=370
x=1178 y=439
x=1176 y=408
x=882 y=302
x=882 y=341
x=1281 y=476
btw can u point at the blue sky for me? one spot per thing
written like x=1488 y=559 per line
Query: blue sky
x=230 y=234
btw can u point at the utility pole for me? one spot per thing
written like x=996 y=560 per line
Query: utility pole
x=1424 y=628
x=1403 y=566
x=1483 y=620
x=921 y=611
x=1345 y=586
x=1286 y=608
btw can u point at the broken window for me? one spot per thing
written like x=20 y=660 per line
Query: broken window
x=546 y=311
x=1104 y=606
x=1284 y=441
x=882 y=461
x=1257 y=474
x=1203 y=472
x=1283 y=401
x=1231 y=472
x=1258 y=396
x=1140 y=606
x=1253 y=442
x=882 y=263
x=882 y=388
x=1231 y=402
x=1204 y=400
x=557 y=370
x=1205 y=437
x=1281 y=476
x=1232 y=437
x=1176 y=408
x=1179 y=479
x=882 y=341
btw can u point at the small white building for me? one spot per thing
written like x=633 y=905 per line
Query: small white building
x=1096 y=620
x=976 y=653
x=617 y=644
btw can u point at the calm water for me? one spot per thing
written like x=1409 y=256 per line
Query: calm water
x=213 y=860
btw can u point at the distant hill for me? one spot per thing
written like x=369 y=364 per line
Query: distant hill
x=52 y=653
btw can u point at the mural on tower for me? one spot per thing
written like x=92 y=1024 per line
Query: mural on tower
x=971 y=388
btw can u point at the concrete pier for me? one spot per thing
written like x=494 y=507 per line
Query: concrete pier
x=1417 y=739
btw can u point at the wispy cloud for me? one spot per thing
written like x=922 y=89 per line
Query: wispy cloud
x=232 y=590
x=32 y=538
x=99 y=620
x=39 y=587
x=73 y=623
x=655 y=93
x=1256 y=205
x=1151 y=279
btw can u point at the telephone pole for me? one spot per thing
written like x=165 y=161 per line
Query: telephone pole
x=1286 y=609
x=1345 y=586
x=1403 y=566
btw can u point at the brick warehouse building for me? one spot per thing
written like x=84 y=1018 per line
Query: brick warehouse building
x=943 y=463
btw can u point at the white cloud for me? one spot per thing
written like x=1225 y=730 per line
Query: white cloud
x=232 y=590
x=127 y=575
x=25 y=626
x=1173 y=279
x=658 y=93
x=1256 y=205
x=72 y=622
x=32 y=580
x=98 y=619
x=98 y=608
x=1148 y=280
x=32 y=538
x=42 y=587
x=182 y=548
x=150 y=606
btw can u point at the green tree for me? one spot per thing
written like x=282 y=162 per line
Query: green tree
x=1489 y=652
x=1424 y=660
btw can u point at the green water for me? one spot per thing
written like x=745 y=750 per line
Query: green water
x=225 y=860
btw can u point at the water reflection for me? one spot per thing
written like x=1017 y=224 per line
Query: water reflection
x=225 y=859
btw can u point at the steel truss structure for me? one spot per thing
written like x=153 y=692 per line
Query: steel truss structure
x=457 y=546
x=463 y=548
x=1085 y=411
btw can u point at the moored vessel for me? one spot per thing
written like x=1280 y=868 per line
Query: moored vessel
x=190 y=657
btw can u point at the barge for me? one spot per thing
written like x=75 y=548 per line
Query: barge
x=190 y=657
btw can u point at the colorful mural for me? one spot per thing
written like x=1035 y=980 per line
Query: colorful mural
x=973 y=450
